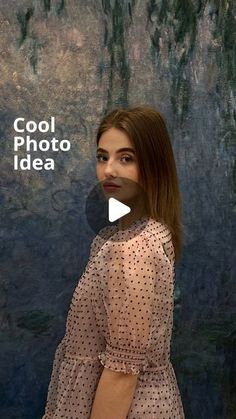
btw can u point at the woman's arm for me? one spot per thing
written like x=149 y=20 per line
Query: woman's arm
x=114 y=395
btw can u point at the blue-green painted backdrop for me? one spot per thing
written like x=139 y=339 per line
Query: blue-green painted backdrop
x=76 y=60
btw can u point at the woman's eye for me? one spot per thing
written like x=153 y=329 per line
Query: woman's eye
x=126 y=159
x=101 y=158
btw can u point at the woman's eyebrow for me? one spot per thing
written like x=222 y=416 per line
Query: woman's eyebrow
x=118 y=151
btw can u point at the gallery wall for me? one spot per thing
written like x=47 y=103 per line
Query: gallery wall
x=75 y=60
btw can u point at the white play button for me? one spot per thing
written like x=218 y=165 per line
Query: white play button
x=104 y=208
x=116 y=209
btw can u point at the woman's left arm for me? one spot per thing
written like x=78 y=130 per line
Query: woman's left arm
x=114 y=395
x=136 y=268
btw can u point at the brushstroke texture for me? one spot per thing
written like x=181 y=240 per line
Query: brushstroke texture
x=76 y=60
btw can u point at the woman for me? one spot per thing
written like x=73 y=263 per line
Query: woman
x=114 y=360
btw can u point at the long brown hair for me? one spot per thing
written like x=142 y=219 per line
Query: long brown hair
x=146 y=129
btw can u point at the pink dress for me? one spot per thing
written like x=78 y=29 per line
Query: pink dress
x=120 y=317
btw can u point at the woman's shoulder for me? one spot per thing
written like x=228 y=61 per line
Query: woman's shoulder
x=157 y=230
x=158 y=236
x=146 y=232
x=143 y=241
x=146 y=228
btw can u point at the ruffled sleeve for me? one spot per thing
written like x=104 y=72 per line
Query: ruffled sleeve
x=129 y=300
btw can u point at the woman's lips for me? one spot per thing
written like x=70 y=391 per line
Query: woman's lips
x=110 y=188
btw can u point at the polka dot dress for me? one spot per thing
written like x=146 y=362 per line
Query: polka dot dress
x=121 y=318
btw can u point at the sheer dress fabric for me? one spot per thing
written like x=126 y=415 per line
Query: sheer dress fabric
x=121 y=318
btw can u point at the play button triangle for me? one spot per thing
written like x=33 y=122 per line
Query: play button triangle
x=116 y=209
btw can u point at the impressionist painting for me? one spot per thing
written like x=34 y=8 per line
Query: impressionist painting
x=74 y=60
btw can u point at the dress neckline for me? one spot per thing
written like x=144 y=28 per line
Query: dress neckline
x=132 y=230
x=140 y=221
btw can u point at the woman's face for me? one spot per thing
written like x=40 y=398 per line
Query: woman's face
x=117 y=163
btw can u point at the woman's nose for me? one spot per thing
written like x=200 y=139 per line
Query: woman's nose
x=110 y=169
